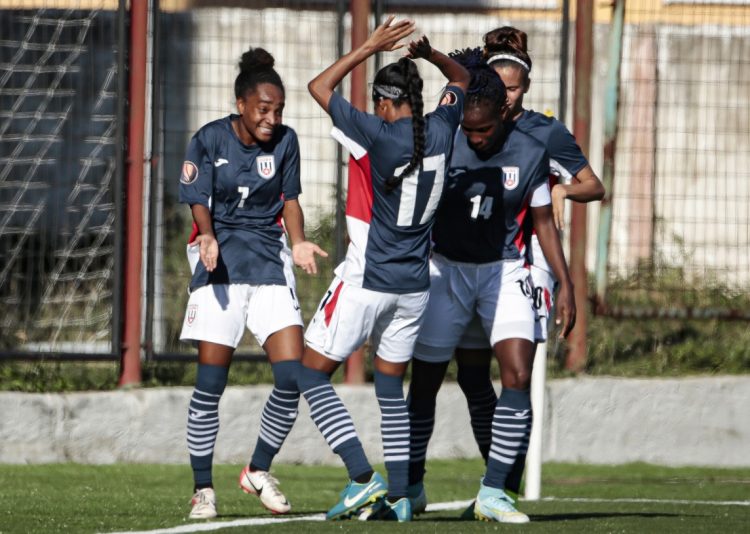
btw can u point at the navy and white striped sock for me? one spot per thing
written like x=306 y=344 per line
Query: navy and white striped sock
x=510 y=429
x=394 y=427
x=203 y=421
x=513 y=482
x=333 y=420
x=481 y=398
x=278 y=415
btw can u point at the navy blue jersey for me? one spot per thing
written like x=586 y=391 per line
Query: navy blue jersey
x=481 y=217
x=566 y=160
x=566 y=157
x=390 y=231
x=245 y=188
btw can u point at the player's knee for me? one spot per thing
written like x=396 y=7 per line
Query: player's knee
x=519 y=378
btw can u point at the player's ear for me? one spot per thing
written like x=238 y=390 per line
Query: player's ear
x=241 y=105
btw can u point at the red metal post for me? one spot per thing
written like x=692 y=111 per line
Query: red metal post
x=130 y=363
x=354 y=369
x=576 y=357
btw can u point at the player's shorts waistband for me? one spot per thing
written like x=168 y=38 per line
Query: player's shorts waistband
x=442 y=259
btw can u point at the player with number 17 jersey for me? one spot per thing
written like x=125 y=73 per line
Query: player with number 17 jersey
x=390 y=230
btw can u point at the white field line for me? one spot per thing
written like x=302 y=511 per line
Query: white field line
x=436 y=507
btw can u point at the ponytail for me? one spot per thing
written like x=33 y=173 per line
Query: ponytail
x=413 y=83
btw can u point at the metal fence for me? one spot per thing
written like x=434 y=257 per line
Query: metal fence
x=679 y=228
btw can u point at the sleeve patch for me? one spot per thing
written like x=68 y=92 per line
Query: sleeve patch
x=189 y=173
x=449 y=98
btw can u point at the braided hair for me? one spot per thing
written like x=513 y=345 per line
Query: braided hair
x=401 y=82
x=256 y=67
x=511 y=43
x=486 y=88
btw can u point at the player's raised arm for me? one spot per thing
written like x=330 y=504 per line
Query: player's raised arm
x=385 y=38
x=585 y=187
x=455 y=72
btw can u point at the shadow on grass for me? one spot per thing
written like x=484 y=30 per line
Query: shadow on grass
x=566 y=517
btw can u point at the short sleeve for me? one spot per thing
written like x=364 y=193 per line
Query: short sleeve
x=196 y=179
x=540 y=183
x=290 y=185
x=450 y=108
x=363 y=128
x=566 y=157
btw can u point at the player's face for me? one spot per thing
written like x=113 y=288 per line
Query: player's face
x=517 y=83
x=260 y=113
x=483 y=128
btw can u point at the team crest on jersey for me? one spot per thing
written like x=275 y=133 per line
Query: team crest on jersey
x=449 y=98
x=192 y=311
x=510 y=178
x=189 y=173
x=266 y=166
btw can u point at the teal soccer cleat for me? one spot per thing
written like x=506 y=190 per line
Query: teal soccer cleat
x=356 y=495
x=383 y=510
x=494 y=505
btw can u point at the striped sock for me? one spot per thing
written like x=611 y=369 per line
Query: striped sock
x=481 y=398
x=426 y=378
x=278 y=415
x=394 y=427
x=203 y=421
x=510 y=428
x=333 y=420
x=513 y=482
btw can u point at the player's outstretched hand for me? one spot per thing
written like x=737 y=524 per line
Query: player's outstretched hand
x=566 y=310
x=420 y=48
x=303 y=255
x=209 y=250
x=386 y=37
x=559 y=194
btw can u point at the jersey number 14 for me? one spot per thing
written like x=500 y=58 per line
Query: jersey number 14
x=481 y=208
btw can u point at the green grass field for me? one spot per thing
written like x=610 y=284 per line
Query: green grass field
x=576 y=498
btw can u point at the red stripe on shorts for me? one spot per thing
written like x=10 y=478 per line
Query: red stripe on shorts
x=331 y=304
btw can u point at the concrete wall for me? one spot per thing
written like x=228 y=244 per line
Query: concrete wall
x=694 y=421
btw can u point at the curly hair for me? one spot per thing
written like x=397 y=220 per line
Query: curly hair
x=485 y=86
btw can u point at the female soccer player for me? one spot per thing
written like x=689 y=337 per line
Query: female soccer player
x=241 y=179
x=498 y=176
x=380 y=290
x=506 y=50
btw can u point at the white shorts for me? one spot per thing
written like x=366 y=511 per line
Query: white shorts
x=348 y=315
x=500 y=293
x=219 y=313
x=544 y=284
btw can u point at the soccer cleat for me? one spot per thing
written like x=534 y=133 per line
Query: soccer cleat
x=355 y=496
x=382 y=510
x=417 y=498
x=493 y=504
x=203 y=504
x=262 y=484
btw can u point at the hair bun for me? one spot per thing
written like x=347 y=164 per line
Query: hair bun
x=256 y=59
x=506 y=38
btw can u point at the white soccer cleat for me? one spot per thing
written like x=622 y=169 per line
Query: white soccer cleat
x=262 y=484
x=203 y=504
